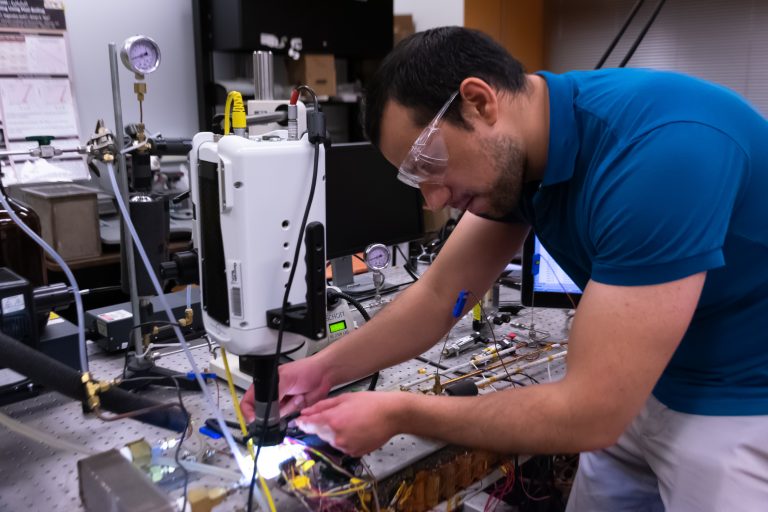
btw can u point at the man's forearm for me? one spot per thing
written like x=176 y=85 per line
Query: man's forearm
x=544 y=418
x=422 y=314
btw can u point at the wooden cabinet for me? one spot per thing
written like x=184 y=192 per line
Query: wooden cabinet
x=517 y=24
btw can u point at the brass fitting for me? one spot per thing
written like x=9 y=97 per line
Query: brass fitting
x=202 y=499
x=140 y=135
x=437 y=388
x=141 y=452
x=140 y=88
x=92 y=390
x=188 y=316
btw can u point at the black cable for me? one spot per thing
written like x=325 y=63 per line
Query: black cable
x=143 y=324
x=183 y=433
x=102 y=289
x=429 y=361
x=364 y=295
x=2 y=189
x=181 y=440
x=618 y=36
x=294 y=349
x=333 y=294
x=407 y=265
x=289 y=284
x=365 y=315
x=311 y=93
x=641 y=36
x=493 y=335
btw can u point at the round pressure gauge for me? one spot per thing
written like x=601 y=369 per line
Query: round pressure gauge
x=377 y=256
x=140 y=54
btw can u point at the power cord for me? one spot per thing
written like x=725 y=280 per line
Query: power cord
x=183 y=433
x=316 y=136
x=407 y=265
x=332 y=295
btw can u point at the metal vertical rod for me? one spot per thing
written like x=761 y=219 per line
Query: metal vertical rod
x=123 y=183
x=263 y=76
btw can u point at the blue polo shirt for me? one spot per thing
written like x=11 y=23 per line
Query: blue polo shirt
x=654 y=176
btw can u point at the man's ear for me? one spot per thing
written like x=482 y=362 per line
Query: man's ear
x=480 y=101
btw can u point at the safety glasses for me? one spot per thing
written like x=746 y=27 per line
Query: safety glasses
x=428 y=158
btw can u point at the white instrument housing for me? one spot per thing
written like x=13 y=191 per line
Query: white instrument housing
x=249 y=198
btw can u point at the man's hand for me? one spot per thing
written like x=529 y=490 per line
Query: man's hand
x=355 y=423
x=302 y=383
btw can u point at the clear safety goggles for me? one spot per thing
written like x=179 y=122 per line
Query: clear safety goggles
x=428 y=158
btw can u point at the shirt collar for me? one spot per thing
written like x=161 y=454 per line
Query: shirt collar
x=563 y=134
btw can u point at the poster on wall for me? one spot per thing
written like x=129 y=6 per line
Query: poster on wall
x=32 y=14
x=36 y=97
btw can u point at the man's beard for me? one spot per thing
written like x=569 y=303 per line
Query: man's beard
x=509 y=161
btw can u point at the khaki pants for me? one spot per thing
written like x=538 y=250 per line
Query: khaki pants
x=667 y=460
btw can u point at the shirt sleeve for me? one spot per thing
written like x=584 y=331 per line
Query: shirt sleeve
x=662 y=207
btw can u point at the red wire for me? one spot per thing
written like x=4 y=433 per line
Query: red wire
x=499 y=492
x=522 y=486
x=294 y=96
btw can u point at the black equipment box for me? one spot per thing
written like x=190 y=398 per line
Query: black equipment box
x=17 y=308
x=110 y=326
x=59 y=341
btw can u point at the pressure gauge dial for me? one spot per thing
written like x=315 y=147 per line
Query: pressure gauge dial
x=377 y=256
x=140 y=54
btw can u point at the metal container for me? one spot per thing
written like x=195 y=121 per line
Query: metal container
x=69 y=218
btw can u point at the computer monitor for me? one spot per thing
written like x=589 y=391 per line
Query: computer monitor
x=544 y=283
x=365 y=204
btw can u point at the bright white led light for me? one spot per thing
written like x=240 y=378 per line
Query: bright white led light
x=271 y=457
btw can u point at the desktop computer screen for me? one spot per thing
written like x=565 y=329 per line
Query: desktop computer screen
x=544 y=283
x=365 y=202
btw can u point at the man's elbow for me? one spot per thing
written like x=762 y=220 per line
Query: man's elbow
x=600 y=424
x=603 y=435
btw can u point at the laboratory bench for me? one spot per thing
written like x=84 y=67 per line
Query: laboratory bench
x=38 y=477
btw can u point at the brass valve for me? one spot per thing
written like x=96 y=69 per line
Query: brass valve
x=188 y=316
x=92 y=390
x=140 y=88
x=438 y=387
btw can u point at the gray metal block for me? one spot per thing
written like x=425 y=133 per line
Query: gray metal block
x=109 y=482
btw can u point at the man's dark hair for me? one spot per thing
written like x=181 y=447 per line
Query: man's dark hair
x=424 y=69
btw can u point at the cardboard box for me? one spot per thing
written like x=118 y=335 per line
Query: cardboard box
x=69 y=218
x=316 y=71
x=403 y=27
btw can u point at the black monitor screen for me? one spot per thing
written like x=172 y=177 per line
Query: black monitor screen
x=545 y=284
x=365 y=202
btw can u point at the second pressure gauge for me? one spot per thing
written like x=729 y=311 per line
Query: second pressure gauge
x=377 y=256
x=140 y=54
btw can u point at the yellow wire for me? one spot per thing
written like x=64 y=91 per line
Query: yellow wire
x=235 y=401
x=238 y=111
x=235 y=104
x=241 y=420
x=363 y=498
x=227 y=106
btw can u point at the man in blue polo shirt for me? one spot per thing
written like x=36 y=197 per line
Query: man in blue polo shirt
x=647 y=188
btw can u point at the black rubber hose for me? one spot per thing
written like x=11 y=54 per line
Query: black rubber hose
x=462 y=388
x=642 y=33
x=57 y=376
x=623 y=29
x=332 y=294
